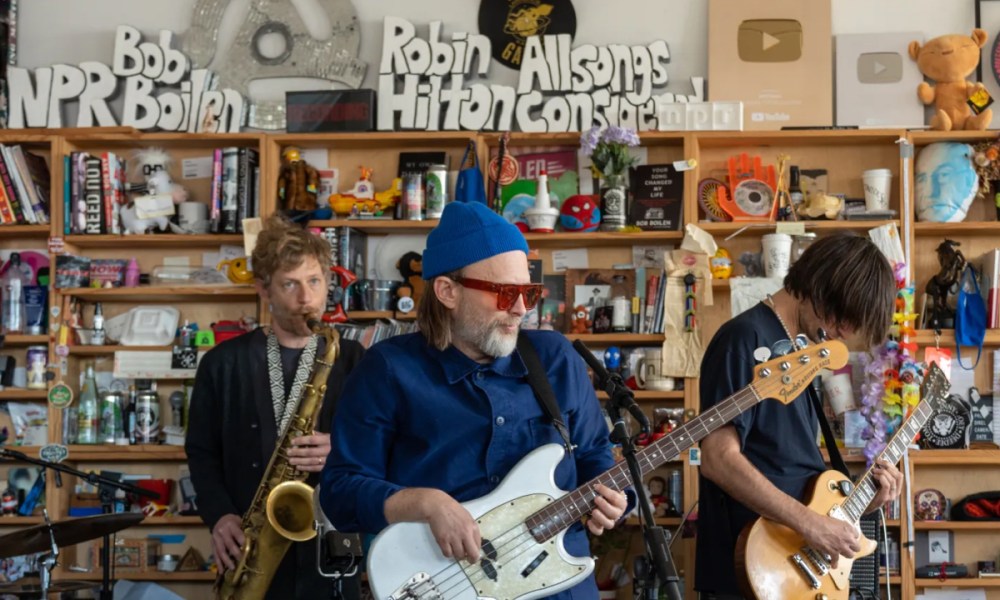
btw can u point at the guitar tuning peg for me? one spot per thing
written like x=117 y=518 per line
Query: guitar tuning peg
x=762 y=354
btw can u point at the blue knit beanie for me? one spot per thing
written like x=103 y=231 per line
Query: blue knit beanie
x=467 y=233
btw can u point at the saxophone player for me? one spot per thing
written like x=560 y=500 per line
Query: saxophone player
x=240 y=402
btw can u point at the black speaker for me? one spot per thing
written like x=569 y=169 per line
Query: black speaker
x=865 y=571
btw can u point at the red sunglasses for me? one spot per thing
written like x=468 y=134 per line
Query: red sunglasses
x=507 y=293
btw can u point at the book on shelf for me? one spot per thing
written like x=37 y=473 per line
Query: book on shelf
x=24 y=187
x=229 y=189
x=657 y=197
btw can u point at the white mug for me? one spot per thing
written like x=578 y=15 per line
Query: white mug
x=649 y=372
x=193 y=216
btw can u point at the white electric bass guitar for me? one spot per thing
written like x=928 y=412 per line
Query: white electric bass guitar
x=524 y=520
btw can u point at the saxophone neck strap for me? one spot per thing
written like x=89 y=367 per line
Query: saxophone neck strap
x=284 y=407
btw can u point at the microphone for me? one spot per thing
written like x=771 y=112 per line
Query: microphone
x=617 y=392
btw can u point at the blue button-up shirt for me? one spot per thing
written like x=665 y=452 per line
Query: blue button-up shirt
x=414 y=416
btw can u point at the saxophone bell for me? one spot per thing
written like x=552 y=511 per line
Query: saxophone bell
x=289 y=510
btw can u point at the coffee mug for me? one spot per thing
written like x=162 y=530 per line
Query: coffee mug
x=649 y=372
x=193 y=216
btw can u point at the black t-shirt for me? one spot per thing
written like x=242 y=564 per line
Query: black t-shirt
x=778 y=439
x=289 y=364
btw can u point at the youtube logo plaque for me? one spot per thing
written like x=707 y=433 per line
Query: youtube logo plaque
x=775 y=57
x=876 y=81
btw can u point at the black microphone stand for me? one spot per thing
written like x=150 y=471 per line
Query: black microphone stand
x=657 y=538
x=106 y=488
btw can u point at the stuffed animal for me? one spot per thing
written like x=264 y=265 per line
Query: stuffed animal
x=411 y=267
x=948 y=60
x=580 y=320
x=153 y=165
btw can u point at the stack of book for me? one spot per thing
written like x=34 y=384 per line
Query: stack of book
x=24 y=187
x=372 y=333
x=235 y=188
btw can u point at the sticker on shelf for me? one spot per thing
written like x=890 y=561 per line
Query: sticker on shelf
x=57 y=245
x=685 y=165
x=53 y=453
x=694 y=457
x=60 y=396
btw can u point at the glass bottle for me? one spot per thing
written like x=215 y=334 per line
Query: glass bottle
x=795 y=196
x=98 y=336
x=15 y=314
x=129 y=418
x=88 y=412
x=800 y=242
x=614 y=202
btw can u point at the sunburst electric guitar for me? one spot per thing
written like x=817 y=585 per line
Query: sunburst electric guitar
x=774 y=562
x=524 y=520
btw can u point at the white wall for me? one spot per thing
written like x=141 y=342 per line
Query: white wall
x=70 y=31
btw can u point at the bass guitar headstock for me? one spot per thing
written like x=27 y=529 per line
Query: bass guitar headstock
x=785 y=377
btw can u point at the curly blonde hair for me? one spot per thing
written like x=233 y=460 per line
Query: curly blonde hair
x=283 y=246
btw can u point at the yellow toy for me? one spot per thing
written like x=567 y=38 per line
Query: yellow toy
x=721 y=264
x=363 y=199
x=236 y=270
x=948 y=60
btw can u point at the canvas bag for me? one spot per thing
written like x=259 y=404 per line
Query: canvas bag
x=470 y=187
x=970 y=316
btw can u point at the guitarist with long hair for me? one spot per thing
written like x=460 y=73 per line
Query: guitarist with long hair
x=761 y=464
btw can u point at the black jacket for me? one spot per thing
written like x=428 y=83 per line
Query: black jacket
x=232 y=434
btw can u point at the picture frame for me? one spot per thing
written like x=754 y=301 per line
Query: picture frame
x=987 y=17
x=581 y=285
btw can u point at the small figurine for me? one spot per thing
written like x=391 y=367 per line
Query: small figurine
x=929 y=505
x=411 y=267
x=236 y=270
x=297 y=182
x=153 y=165
x=613 y=359
x=658 y=496
x=362 y=199
x=952 y=261
x=580 y=320
x=8 y=503
x=721 y=264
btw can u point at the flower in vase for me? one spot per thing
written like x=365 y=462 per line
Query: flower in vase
x=608 y=149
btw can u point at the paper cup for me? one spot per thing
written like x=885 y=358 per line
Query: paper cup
x=777 y=249
x=877 y=182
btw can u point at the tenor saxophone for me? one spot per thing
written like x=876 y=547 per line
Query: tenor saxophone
x=282 y=509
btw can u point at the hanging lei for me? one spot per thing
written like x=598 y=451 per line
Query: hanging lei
x=891 y=388
x=284 y=408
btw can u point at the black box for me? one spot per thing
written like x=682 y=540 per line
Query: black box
x=330 y=110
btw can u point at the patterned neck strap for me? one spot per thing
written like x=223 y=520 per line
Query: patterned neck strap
x=284 y=408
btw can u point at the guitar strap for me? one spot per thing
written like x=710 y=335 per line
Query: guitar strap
x=836 y=460
x=542 y=388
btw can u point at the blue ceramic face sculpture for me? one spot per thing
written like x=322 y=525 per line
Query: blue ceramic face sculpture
x=946 y=182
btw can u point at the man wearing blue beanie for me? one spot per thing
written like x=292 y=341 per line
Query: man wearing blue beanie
x=433 y=419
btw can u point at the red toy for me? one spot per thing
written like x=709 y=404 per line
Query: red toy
x=345 y=279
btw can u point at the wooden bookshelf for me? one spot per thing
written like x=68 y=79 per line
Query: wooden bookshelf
x=166 y=240
x=165 y=293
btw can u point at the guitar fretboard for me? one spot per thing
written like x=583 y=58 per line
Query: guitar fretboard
x=932 y=392
x=866 y=488
x=555 y=517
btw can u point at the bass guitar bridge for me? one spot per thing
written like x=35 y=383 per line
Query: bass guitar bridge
x=418 y=587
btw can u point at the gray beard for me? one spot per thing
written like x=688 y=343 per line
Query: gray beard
x=485 y=336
